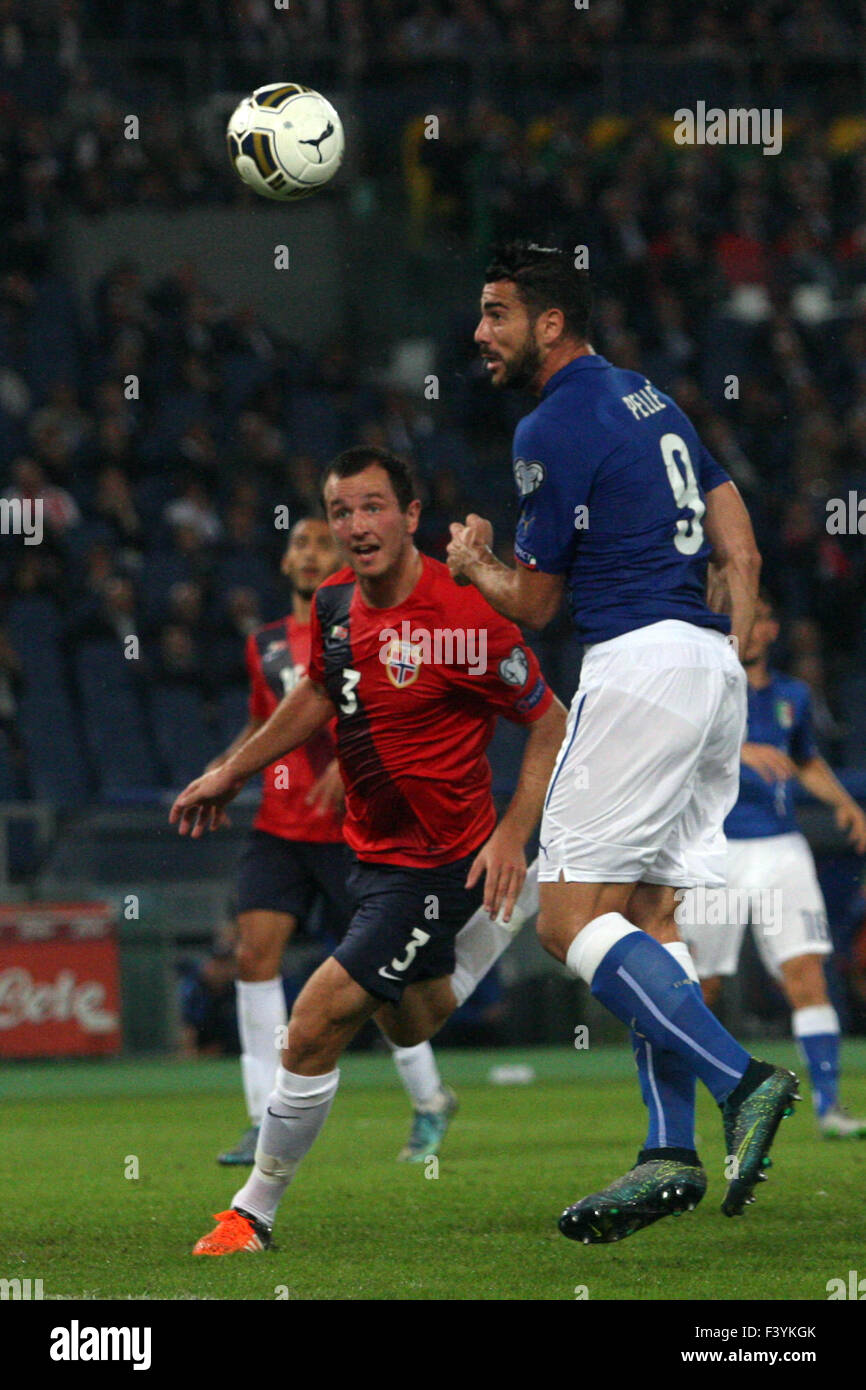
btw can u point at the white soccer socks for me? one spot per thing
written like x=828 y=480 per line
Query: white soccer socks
x=261 y=1008
x=295 y=1112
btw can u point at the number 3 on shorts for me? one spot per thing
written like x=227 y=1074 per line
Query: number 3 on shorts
x=349 y=700
x=690 y=534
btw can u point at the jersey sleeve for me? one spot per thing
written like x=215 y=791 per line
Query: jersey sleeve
x=315 y=665
x=505 y=674
x=552 y=485
x=710 y=473
x=258 y=705
x=803 y=745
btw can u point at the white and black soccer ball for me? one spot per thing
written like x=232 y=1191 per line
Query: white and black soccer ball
x=285 y=141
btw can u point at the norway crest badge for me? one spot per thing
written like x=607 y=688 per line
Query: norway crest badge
x=402 y=663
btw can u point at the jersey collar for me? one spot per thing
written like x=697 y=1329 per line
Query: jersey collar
x=588 y=362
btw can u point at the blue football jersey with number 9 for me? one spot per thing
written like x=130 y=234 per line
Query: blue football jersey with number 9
x=612 y=479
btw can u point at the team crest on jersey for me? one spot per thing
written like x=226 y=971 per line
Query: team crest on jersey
x=785 y=714
x=514 y=668
x=528 y=475
x=402 y=663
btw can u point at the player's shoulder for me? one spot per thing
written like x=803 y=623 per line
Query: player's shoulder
x=345 y=575
x=274 y=631
x=334 y=594
x=787 y=687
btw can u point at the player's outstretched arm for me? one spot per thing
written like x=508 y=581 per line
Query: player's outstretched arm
x=251 y=727
x=818 y=778
x=501 y=859
x=300 y=714
x=735 y=561
x=527 y=597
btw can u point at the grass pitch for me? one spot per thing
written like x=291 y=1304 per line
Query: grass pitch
x=358 y=1225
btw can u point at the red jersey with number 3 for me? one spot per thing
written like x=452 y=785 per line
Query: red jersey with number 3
x=277 y=657
x=417 y=689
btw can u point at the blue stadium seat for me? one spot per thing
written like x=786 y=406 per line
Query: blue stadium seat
x=114 y=724
x=183 y=743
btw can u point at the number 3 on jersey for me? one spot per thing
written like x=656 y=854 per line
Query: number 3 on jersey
x=348 y=698
x=690 y=534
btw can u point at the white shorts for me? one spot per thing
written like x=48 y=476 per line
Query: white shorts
x=650 y=764
x=773 y=885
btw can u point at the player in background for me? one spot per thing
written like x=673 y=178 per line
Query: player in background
x=296 y=854
x=622 y=504
x=767 y=852
x=415 y=669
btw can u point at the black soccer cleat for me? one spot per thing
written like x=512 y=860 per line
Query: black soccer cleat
x=646 y=1193
x=750 y=1122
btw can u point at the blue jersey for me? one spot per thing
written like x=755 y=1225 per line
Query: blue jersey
x=612 y=478
x=780 y=714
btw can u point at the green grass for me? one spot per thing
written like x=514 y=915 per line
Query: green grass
x=357 y=1225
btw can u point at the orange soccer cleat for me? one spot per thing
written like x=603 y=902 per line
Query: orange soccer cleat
x=235 y=1230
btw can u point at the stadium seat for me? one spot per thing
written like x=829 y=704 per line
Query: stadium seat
x=117 y=736
x=183 y=744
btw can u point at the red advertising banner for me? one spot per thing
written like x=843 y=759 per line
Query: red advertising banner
x=59 y=980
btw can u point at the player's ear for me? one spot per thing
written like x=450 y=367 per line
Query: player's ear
x=413 y=516
x=552 y=325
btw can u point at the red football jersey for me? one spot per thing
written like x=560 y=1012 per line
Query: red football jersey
x=277 y=657
x=417 y=689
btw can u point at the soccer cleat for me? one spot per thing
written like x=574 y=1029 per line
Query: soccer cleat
x=750 y=1127
x=646 y=1193
x=243 y=1155
x=235 y=1230
x=836 y=1123
x=429 y=1128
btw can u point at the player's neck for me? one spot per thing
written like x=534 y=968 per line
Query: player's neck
x=389 y=590
x=301 y=608
x=558 y=358
x=758 y=675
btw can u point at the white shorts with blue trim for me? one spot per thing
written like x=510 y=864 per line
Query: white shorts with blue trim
x=650 y=764
x=771 y=885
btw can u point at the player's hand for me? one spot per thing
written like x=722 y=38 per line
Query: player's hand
x=468 y=543
x=201 y=805
x=328 y=795
x=503 y=864
x=852 y=821
x=772 y=764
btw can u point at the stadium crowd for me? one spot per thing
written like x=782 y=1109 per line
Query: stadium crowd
x=712 y=266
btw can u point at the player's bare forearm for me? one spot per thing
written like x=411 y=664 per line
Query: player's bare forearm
x=528 y=597
x=298 y=716
x=501 y=859
x=818 y=778
x=251 y=727
x=544 y=742
x=735 y=567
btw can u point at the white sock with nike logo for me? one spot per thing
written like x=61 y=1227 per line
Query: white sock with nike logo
x=482 y=941
x=296 y=1110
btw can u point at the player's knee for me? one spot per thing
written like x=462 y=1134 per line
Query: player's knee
x=553 y=937
x=257 y=961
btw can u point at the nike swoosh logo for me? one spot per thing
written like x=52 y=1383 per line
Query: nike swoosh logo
x=388 y=975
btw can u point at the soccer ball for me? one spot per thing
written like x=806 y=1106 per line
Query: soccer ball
x=285 y=141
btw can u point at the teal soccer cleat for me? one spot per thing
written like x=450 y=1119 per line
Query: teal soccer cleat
x=429 y=1128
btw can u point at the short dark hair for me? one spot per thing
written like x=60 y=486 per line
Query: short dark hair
x=352 y=461
x=546 y=278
